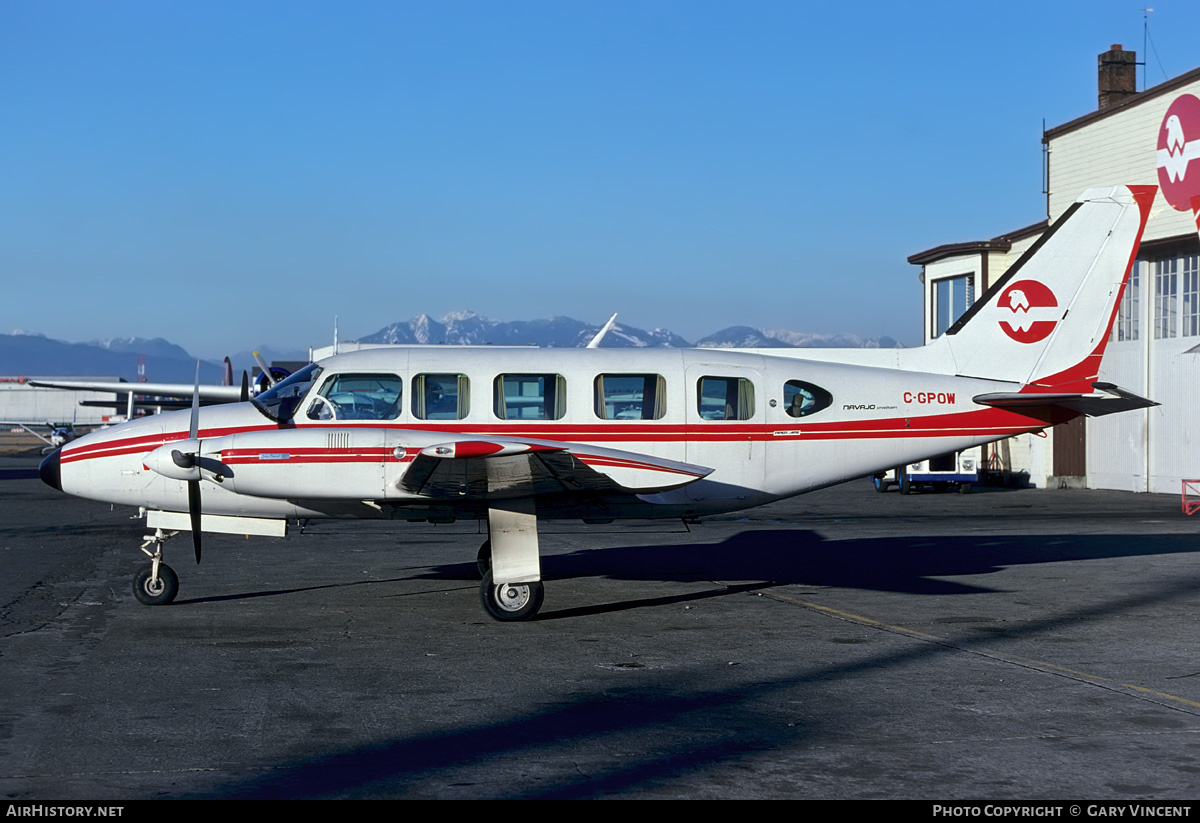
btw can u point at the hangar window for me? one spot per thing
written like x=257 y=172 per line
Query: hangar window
x=357 y=397
x=630 y=397
x=725 y=398
x=530 y=396
x=952 y=296
x=801 y=399
x=1166 y=287
x=1189 y=313
x=441 y=396
x=1126 y=326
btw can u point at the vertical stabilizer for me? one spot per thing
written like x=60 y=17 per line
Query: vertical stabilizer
x=1045 y=323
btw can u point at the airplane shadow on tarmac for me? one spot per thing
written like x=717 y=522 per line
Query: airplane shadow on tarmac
x=766 y=558
x=698 y=724
x=780 y=557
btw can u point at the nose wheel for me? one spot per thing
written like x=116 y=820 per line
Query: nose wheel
x=153 y=588
x=156 y=584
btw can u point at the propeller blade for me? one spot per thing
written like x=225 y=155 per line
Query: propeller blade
x=193 y=487
x=245 y=386
x=266 y=370
x=195 y=427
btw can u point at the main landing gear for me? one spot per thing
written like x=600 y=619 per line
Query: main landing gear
x=511 y=550
x=510 y=602
x=156 y=584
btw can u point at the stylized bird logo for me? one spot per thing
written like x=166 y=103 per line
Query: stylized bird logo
x=1018 y=300
x=1178 y=145
x=1175 y=139
x=1033 y=308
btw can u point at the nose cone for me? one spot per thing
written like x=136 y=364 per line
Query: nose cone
x=50 y=471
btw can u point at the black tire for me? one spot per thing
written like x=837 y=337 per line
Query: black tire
x=964 y=488
x=512 y=602
x=150 y=592
x=483 y=560
x=881 y=485
x=905 y=483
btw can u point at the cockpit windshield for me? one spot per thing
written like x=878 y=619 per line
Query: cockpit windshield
x=281 y=400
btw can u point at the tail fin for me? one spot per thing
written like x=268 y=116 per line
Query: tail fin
x=1045 y=323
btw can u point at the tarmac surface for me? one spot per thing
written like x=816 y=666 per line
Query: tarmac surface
x=1007 y=644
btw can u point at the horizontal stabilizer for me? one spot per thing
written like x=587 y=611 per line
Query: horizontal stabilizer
x=1108 y=399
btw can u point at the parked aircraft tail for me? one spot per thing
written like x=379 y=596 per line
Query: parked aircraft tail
x=1045 y=323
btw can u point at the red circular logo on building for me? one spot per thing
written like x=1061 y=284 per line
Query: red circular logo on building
x=1178 y=146
x=1031 y=303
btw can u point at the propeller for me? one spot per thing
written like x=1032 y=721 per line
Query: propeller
x=266 y=370
x=193 y=486
x=245 y=387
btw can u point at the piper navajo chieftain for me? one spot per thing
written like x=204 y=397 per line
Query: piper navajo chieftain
x=518 y=435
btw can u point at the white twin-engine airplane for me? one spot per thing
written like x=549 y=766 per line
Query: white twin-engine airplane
x=515 y=435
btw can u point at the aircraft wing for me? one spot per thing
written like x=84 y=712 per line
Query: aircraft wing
x=1107 y=400
x=219 y=394
x=496 y=468
x=404 y=465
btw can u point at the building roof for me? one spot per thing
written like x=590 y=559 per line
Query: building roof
x=1133 y=100
x=1001 y=242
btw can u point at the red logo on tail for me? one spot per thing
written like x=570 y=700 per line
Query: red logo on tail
x=1028 y=300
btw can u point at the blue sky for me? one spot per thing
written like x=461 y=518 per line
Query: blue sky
x=234 y=174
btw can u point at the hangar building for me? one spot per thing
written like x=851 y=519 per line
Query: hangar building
x=23 y=402
x=1133 y=138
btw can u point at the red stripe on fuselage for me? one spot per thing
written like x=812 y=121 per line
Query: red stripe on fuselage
x=989 y=422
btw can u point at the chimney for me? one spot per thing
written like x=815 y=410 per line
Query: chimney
x=1118 y=75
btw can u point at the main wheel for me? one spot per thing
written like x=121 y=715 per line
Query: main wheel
x=512 y=601
x=155 y=591
x=483 y=560
x=905 y=483
x=881 y=485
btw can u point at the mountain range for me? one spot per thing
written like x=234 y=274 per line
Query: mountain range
x=470 y=329
x=30 y=354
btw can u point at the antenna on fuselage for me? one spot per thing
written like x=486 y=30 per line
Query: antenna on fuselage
x=595 y=344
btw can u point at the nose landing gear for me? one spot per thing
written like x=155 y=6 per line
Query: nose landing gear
x=156 y=584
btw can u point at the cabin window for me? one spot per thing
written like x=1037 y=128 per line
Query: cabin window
x=630 y=397
x=530 y=396
x=801 y=399
x=441 y=396
x=357 y=397
x=725 y=398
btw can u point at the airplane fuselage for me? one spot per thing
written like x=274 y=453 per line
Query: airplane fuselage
x=769 y=427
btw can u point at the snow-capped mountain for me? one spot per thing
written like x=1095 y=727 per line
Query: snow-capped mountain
x=466 y=328
x=469 y=328
x=156 y=347
x=32 y=354
x=746 y=337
